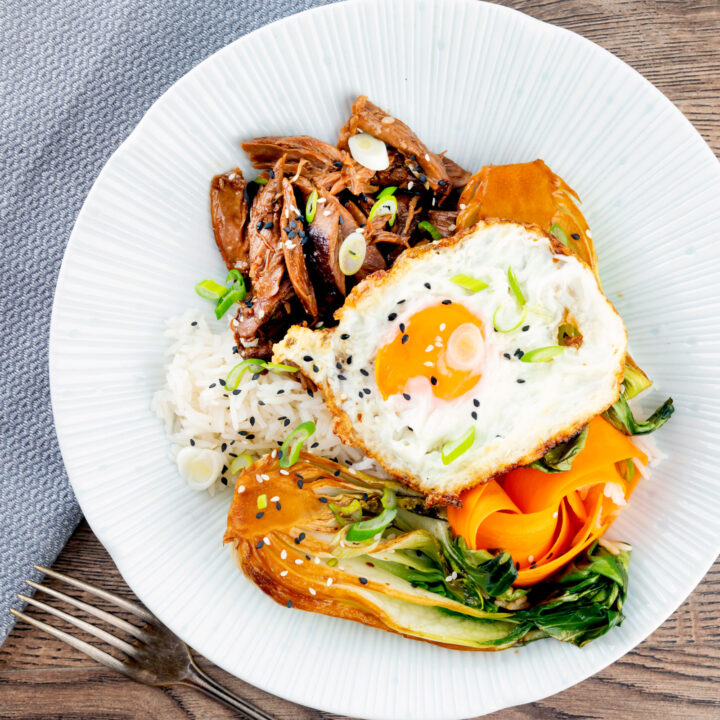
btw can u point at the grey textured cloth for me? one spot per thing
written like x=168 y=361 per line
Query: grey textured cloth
x=76 y=78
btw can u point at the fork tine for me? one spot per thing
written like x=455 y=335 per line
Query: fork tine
x=127 y=648
x=92 y=652
x=91 y=610
x=132 y=607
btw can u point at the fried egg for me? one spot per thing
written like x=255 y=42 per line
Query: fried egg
x=454 y=366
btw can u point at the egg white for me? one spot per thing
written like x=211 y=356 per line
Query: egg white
x=516 y=421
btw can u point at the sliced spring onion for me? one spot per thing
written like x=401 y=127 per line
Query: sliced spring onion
x=352 y=510
x=502 y=326
x=466 y=282
x=210 y=290
x=255 y=365
x=199 y=467
x=368 y=529
x=235 y=276
x=369 y=151
x=262 y=501
x=279 y=367
x=385 y=206
x=239 y=463
x=428 y=227
x=352 y=253
x=311 y=206
x=560 y=235
x=260 y=180
x=227 y=301
x=386 y=192
x=389 y=499
x=290 y=449
x=453 y=449
x=515 y=287
x=543 y=354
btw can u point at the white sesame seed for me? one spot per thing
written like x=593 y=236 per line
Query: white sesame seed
x=588 y=233
x=241 y=488
x=429 y=348
x=258 y=478
x=387 y=120
x=283 y=573
x=433 y=202
x=329 y=582
x=316 y=560
x=462 y=206
x=273 y=454
x=452 y=227
x=283 y=554
x=327 y=212
x=410 y=184
x=531 y=558
x=312 y=591
x=231 y=176
x=265 y=477
x=274 y=498
x=554 y=514
x=266 y=540
x=321 y=200
x=284 y=472
x=442 y=326
x=429 y=363
x=427 y=157
x=298 y=562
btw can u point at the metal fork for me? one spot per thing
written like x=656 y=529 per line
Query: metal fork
x=158 y=657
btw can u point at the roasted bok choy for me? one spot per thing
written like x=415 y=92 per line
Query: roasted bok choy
x=346 y=544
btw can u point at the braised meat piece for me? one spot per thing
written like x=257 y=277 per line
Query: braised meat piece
x=458 y=176
x=443 y=220
x=428 y=167
x=229 y=211
x=293 y=239
x=327 y=166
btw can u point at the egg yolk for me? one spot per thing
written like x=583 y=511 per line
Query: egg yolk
x=442 y=343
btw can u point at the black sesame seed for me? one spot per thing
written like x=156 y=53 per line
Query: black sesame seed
x=405 y=338
x=364 y=372
x=400 y=302
x=280 y=392
x=308 y=358
x=252 y=419
x=473 y=414
x=337 y=473
x=286 y=422
x=433 y=380
x=316 y=368
x=300 y=484
x=235 y=349
x=268 y=225
x=410 y=429
x=307 y=557
x=224 y=469
x=533 y=566
x=518 y=353
x=248 y=303
x=422 y=178
x=301 y=536
x=314 y=445
x=222 y=382
x=341 y=377
x=255 y=376
x=525 y=328
x=259 y=515
x=338 y=365
x=442 y=183
x=289 y=603
x=223 y=447
x=192 y=442
x=261 y=403
x=243 y=433
x=363 y=580
x=349 y=360
x=290 y=234
x=260 y=544
x=223 y=480
x=304 y=239
x=236 y=391
x=251 y=436
x=575 y=236
x=337 y=164
x=476 y=402
x=323 y=500
x=277 y=505
x=507 y=355
x=367 y=391
x=193 y=323
x=447 y=302
x=520 y=381
x=297 y=540
x=427 y=285
x=293 y=224
x=212 y=385
x=392 y=316
x=310 y=393
x=360 y=395
x=271 y=173
x=406 y=396
x=402 y=327
x=259 y=225
x=340 y=220
x=344 y=336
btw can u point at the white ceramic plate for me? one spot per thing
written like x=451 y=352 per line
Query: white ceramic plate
x=488 y=85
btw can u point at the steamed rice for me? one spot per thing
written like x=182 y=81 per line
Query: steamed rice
x=197 y=409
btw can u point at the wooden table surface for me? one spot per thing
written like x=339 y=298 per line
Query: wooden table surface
x=675 y=673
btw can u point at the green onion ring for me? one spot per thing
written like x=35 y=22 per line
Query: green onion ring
x=368 y=529
x=279 y=367
x=390 y=202
x=233 y=377
x=428 y=227
x=227 y=301
x=515 y=287
x=290 y=449
x=389 y=499
x=386 y=192
x=311 y=206
x=471 y=284
x=543 y=354
x=453 y=449
x=240 y=463
x=499 y=329
x=210 y=290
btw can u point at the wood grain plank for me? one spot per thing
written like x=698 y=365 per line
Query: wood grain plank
x=675 y=673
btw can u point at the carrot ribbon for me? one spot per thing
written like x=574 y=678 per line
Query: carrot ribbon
x=544 y=520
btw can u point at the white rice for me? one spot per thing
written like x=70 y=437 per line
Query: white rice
x=195 y=406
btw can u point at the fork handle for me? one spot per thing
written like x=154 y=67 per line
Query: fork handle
x=198 y=679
